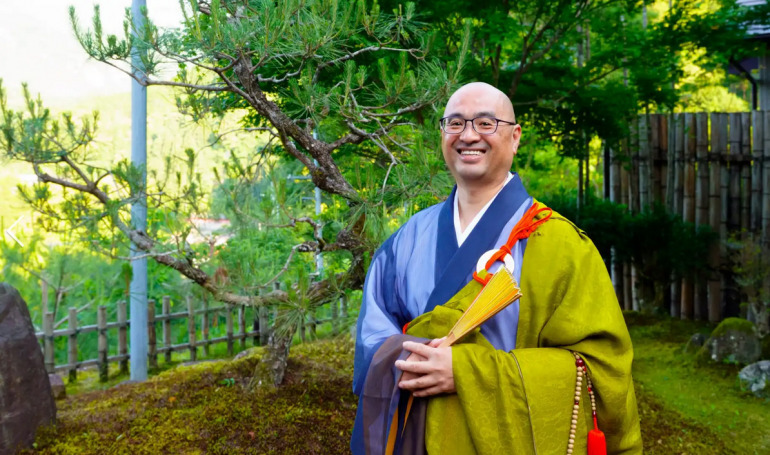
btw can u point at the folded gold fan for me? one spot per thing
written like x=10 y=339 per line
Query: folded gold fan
x=499 y=292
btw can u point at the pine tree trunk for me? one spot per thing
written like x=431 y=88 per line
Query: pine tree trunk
x=271 y=368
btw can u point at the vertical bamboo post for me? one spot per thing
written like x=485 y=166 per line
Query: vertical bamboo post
x=152 y=342
x=344 y=306
x=48 y=354
x=657 y=127
x=167 y=327
x=205 y=326
x=335 y=307
x=718 y=138
x=745 y=167
x=123 y=337
x=644 y=164
x=102 y=352
x=263 y=325
x=701 y=204
x=670 y=162
x=676 y=169
x=72 y=344
x=625 y=198
x=229 y=319
x=756 y=171
x=766 y=181
x=191 y=332
x=688 y=207
x=633 y=181
x=615 y=194
x=734 y=213
x=242 y=324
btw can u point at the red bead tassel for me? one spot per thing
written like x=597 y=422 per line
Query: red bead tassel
x=597 y=445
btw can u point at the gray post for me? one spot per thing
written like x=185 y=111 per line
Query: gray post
x=764 y=81
x=139 y=207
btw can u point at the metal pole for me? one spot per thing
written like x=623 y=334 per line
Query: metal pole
x=319 y=260
x=138 y=296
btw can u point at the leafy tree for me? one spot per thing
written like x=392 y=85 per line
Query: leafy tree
x=337 y=86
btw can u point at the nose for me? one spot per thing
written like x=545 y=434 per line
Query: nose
x=469 y=134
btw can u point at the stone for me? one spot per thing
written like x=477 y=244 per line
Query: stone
x=695 y=342
x=57 y=386
x=756 y=378
x=26 y=400
x=733 y=341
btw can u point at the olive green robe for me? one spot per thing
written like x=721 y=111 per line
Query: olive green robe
x=520 y=402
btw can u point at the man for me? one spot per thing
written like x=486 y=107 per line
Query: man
x=513 y=386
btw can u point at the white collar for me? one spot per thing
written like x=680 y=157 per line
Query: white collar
x=462 y=235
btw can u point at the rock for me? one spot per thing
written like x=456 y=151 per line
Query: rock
x=247 y=353
x=733 y=341
x=25 y=394
x=695 y=342
x=756 y=378
x=57 y=386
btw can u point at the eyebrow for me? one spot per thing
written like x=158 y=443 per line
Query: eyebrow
x=477 y=114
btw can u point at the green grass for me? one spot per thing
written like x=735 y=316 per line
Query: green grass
x=684 y=407
x=705 y=396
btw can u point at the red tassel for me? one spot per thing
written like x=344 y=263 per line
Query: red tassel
x=597 y=445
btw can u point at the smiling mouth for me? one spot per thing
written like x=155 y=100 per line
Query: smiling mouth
x=464 y=152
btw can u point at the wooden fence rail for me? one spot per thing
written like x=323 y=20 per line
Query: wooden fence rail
x=711 y=169
x=102 y=327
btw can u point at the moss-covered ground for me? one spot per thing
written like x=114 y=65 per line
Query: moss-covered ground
x=685 y=408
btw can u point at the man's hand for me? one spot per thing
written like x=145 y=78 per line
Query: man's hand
x=428 y=370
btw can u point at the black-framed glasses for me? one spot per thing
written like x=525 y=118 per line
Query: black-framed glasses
x=482 y=125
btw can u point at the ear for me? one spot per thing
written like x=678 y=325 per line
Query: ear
x=516 y=137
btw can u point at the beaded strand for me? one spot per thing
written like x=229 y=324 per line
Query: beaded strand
x=582 y=371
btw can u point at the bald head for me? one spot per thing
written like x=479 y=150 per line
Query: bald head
x=486 y=97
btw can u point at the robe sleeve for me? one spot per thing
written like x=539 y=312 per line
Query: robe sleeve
x=521 y=401
x=381 y=313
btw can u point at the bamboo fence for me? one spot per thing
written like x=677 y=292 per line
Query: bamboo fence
x=199 y=321
x=709 y=168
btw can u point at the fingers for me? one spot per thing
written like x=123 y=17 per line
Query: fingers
x=419 y=367
x=435 y=390
x=435 y=343
x=418 y=348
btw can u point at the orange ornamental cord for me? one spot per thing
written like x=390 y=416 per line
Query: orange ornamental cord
x=523 y=229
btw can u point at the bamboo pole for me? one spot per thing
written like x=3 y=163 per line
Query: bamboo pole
x=657 y=138
x=688 y=208
x=344 y=306
x=102 y=347
x=205 y=326
x=167 y=328
x=745 y=166
x=756 y=171
x=191 y=332
x=152 y=342
x=625 y=198
x=633 y=181
x=718 y=138
x=229 y=322
x=670 y=172
x=677 y=166
x=645 y=173
x=72 y=344
x=734 y=211
x=242 y=324
x=335 y=307
x=615 y=195
x=766 y=181
x=122 y=337
x=700 y=296
x=48 y=353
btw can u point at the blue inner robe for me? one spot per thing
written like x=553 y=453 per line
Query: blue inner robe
x=421 y=266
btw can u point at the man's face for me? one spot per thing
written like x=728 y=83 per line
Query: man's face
x=476 y=159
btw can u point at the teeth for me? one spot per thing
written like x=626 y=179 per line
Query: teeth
x=470 y=152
